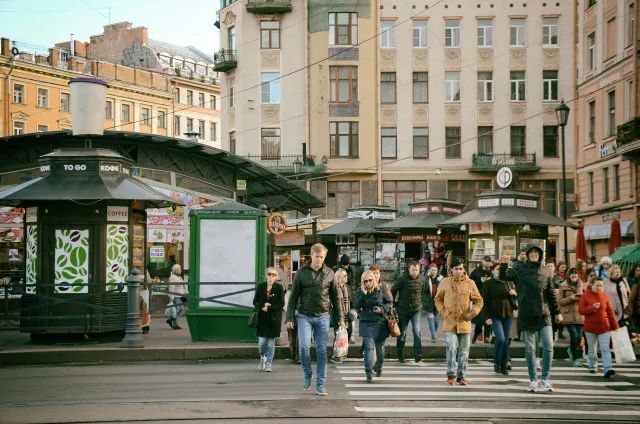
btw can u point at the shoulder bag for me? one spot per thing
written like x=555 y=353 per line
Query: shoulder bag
x=252 y=322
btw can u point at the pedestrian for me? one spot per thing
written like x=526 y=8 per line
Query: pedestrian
x=314 y=292
x=428 y=304
x=592 y=263
x=352 y=283
x=498 y=297
x=536 y=305
x=557 y=278
x=617 y=288
x=583 y=270
x=458 y=301
x=177 y=295
x=410 y=291
x=599 y=320
x=372 y=303
x=340 y=278
x=382 y=335
x=476 y=276
x=284 y=275
x=268 y=301
x=292 y=333
x=634 y=297
x=604 y=268
x=569 y=295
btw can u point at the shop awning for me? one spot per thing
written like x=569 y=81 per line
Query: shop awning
x=603 y=231
x=354 y=226
x=507 y=215
x=415 y=222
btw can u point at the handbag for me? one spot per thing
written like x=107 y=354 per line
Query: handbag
x=622 y=345
x=513 y=300
x=392 y=323
x=252 y=322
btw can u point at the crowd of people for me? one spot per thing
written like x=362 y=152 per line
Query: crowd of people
x=520 y=298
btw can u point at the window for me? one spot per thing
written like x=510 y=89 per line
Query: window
x=176 y=126
x=343 y=29
x=201 y=129
x=485 y=32
x=18 y=93
x=452 y=86
x=420 y=87
x=189 y=125
x=590 y=175
x=125 y=113
x=611 y=41
x=616 y=182
x=230 y=97
x=144 y=116
x=212 y=102
x=518 y=141
x=611 y=113
x=162 y=119
x=388 y=87
x=517 y=32
x=389 y=143
x=591 y=51
x=591 y=123
x=18 y=127
x=108 y=109
x=213 y=131
x=387 y=34
x=201 y=99
x=421 y=143
x=517 y=86
x=343 y=83
x=231 y=38
x=420 y=33
x=176 y=95
x=270 y=34
x=550 y=31
x=43 y=98
x=270 y=87
x=398 y=194
x=548 y=192
x=270 y=141
x=550 y=85
x=452 y=33
x=232 y=142
x=465 y=191
x=485 y=86
x=65 y=100
x=630 y=24
x=452 y=142
x=550 y=141
x=628 y=112
x=485 y=140
x=190 y=97
x=43 y=128
x=605 y=185
x=342 y=195
x=343 y=139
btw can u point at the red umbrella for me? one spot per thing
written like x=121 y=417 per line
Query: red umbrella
x=615 y=237
x=581 y=244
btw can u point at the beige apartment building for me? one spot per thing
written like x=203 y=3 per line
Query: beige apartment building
x=607 y=131
x=400 y=101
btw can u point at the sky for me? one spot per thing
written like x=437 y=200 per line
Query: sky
x=39 y=24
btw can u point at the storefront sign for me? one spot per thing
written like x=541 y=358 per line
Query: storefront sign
x=451 y=210
x=480 y=228
x=290 y=238
x=156 y=254
x=31 y=215
x=117 y=213
x=384 y=215
x=415 y=210
x=410 y=238
x=508 y=202
x=365 y=214
x=276 y=223
x=359 y=214
x=241 y=185
x=606 y=217
x=526 y=203
x=11 y=215
x=607 y=150
x=488 y=203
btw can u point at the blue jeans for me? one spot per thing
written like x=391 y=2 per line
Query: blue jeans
x=575 y=333
x=373 y=347
x=267 y=347
x=457 y=353
x=546 y=336
x=603 y=341
x=433 y=321
x=415 y=325
x=501 y=329
x=320 y=328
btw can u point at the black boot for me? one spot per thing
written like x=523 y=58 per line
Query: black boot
x=496 y=367
x=503 y=369
x=369 y=377
x=400 y=352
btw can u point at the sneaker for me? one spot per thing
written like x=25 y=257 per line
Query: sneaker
x=592 y=371
x=576 y=363
x=321 y=390
x=418 y=358
x=451 y=380
x=263 y=361
x=434 y=340
x=462 y=381
x=306 y=385
x=533 y=385
x=570 y=354
x=267 y=367
x=609 y=373
x=401 y=359
x=335 y=360
x=509 y=365
x=538 y=367
x=546 y=386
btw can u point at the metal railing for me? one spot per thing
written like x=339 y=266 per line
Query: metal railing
x=628 y=132
x=282 y=162
x=492 y=161
x=269 y=6
x=224 y=59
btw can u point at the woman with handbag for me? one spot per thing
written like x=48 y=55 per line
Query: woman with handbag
x=499 y=303
x=569 y=295
x=618 y=290
x=372 y=302
x=391 y=321
x=340 y=277
x=268 y=300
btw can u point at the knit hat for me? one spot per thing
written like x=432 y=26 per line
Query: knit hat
x=606 y=260
x=345 y=260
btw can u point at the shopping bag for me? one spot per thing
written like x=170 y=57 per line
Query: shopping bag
x=341 y=343
x=622 y=345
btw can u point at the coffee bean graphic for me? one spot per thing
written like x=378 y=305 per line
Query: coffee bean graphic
x=122 y=230
x=115 y=268
x=75 y=236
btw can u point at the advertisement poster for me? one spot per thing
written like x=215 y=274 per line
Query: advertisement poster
x=156 y=235
x=156 y=254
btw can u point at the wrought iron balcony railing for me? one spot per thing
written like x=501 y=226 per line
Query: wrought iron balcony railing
x=269 y=6
x=628 y=132
x=225 y=60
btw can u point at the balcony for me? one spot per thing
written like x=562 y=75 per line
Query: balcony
x=491 y=162
x=225 y=60
x=269 y=6
x=628 y=139
x=286 y=164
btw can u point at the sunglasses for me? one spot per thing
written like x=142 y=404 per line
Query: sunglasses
x=272 y=274
x=368 y=281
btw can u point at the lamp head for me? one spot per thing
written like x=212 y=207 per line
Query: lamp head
x=562 y=113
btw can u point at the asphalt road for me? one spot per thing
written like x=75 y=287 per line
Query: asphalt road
x=236 y=392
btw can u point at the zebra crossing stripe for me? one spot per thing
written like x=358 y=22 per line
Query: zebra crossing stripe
x=467 y=391
x=474 y=372
x=492 y=412
x=490 y=387
x=509 y=380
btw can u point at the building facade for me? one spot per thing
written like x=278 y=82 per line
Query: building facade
x=607 y=98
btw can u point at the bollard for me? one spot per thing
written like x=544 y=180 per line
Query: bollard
x=133 y=333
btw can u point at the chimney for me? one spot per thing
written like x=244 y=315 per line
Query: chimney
x=54 y=57
x=72 y=46
x=5 y=47
x=88 y=97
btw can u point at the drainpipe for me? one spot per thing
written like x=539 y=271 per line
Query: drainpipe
x=378 y=144
x=7 y=120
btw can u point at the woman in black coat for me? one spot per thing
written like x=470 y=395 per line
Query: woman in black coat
x=268 y=301
x=372 y=303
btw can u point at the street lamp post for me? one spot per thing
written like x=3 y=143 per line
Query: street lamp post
x=562 y=113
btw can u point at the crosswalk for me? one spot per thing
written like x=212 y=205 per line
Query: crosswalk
x=420 y=390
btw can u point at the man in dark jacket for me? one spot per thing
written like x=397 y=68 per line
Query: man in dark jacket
x=537 y=307
x=476 y=276
x=410 y=290
x=314 y=293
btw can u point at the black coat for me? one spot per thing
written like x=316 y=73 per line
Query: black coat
x=269 y=322
x=411 y=292
x=372 y=324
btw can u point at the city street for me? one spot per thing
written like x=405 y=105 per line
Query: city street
x=219 y=391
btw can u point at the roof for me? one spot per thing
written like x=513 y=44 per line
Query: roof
x=415 y=222
x=354 y=226
x=188 y=52
x=507 y=215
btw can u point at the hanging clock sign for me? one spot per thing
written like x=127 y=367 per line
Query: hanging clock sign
x=504 y=177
